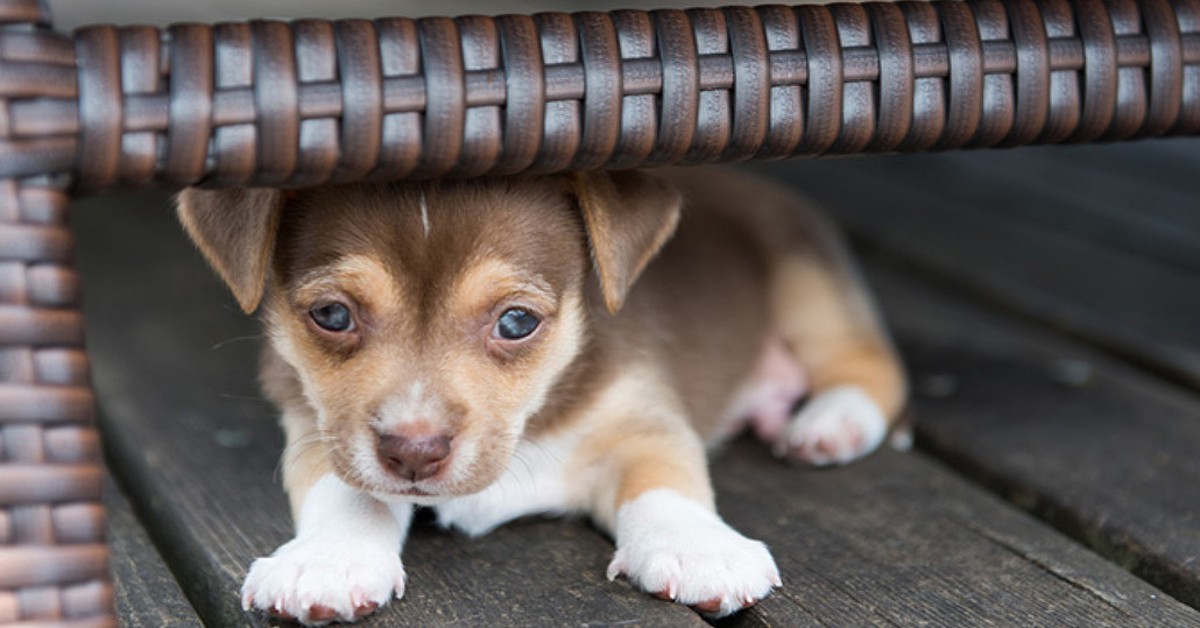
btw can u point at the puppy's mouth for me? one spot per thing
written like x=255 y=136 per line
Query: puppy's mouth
x=411 y=494
x=416 y=491
x=391 y=485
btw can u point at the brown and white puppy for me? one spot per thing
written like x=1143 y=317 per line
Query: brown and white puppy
x=504 y=347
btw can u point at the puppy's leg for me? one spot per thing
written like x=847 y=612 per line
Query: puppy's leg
x=654 y=497
x=344 y=561
x=856 y=383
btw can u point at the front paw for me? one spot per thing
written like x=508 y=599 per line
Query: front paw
x=676 y=549
x=314 y=582
x=837 y=426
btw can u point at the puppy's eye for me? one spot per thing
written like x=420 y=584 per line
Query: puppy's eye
x=515 y=324
x=332 y=317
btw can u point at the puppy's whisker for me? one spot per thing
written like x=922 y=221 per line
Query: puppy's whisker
x=221 y=344
x=529 y=477
x=531 y=466
x=308 y=442
x=556 y=456
x=233 y=397
x=302 y=446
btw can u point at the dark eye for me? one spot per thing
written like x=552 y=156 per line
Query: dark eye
x=515 y=324
x=332 y=317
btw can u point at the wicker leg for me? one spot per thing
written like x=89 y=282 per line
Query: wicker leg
x=53 y=561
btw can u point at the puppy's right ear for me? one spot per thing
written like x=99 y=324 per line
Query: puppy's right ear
x=235 y=230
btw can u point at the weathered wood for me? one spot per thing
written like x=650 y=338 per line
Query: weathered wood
x=895 y=539
x=197 y=447
x=146 y=592
x=1101 y=450
x=1138 y=198
x=1109 y=255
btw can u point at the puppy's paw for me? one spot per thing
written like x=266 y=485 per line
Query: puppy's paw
x=837 y=426
x=315 y=582
x=676 y=549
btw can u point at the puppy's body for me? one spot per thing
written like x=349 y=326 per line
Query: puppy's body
x=605 y=409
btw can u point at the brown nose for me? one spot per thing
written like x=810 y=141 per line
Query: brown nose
x=413 y=458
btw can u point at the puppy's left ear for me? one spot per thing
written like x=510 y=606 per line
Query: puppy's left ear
x=629 y=216
x=235 y=230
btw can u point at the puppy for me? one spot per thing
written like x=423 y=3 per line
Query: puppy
x=497 y=348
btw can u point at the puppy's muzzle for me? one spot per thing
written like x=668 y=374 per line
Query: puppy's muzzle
x=414 y=458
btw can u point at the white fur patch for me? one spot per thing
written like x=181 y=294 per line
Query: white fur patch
x=405 y=408
x=534 y=482
x=345 y=557
x=837 y=426
x=675 y=547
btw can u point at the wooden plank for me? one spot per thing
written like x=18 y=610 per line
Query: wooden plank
x=1117 y=197
x=146 y=592
x=191 y=438
x=896 y=540
x=996 y=236
x=1099 y=449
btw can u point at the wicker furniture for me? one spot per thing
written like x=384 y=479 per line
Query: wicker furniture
x=272 y=103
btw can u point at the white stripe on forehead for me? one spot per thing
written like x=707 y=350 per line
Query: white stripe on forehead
x=424 y=213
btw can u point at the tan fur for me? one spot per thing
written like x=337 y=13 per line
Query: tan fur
x=633 y=436
x=427 y=268
x=363 y=276
x=631 y=454
x=833 y=334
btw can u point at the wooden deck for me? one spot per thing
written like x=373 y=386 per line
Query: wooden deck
x=1047 y=301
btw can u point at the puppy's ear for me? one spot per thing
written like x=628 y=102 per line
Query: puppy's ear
x=235 y=230
x=629 y=216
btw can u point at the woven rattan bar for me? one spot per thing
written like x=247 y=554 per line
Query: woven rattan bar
x=308 y=102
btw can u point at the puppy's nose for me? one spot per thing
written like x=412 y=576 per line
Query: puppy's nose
x=413 y=458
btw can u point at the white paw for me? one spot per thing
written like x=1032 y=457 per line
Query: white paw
x=314 y=581
x=676 y=549
x=837 y=426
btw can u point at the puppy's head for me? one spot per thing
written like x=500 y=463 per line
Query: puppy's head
x=427 y=323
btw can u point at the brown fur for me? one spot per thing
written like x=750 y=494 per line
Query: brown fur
x=648 y=384
x=813 y=294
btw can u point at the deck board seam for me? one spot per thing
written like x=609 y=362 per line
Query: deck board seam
x=1037 y=562
x=986 y=297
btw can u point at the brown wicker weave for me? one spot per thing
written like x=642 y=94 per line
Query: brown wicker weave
x=53 y=563
x=272 y=103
